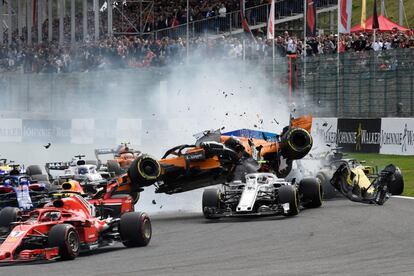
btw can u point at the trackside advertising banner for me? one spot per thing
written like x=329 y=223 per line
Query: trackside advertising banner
x=324 y=130
x=397 y=136
x=359 y=135
x=379 y=135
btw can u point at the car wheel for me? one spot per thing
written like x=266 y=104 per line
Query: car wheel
x=211 y=200
x=288 y=194
x=65 y=237
x=114 y=167
x=33 y=170
x=135 y=229
x=144 y=171
x=324 y=179
x=397 y=182
x=311 y=192
x=44 y=178
x=7 y=216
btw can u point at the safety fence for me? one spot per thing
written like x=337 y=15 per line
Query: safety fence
x=231 y=21
x=359 y=84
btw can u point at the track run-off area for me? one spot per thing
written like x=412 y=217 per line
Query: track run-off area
x=340 y=238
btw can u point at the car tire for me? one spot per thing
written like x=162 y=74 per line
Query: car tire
x=211 y=199
x=33 y=170
x=328 y=191
x=114 y=167
x=40 y=178
x=311 y=191
x=7 y=216
x=135 y=229
x=288 y=194
x=65 y=237
x=397 y=184
x=144 y=171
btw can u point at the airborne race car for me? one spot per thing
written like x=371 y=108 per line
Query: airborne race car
x=64 y=227
x=365 y=184
x=261 y=194
x=216 y=159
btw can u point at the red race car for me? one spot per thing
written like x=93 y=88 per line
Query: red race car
x=66 y=226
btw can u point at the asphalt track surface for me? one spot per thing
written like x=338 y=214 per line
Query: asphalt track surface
x=340 y=238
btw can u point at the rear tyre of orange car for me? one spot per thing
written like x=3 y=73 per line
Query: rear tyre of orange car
x=65 y=237
x=288 y=194
x=144 y=171
x=8 y=215
x=135 y=229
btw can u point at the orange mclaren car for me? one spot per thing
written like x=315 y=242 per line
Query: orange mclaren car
x=218 y=158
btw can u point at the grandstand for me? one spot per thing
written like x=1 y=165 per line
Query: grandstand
x=69 y=36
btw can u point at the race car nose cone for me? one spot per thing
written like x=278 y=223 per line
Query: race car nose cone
x=4 y=255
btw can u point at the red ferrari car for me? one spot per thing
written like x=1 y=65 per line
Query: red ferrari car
x=64 y=227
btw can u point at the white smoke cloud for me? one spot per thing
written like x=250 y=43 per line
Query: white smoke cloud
x=202 y=95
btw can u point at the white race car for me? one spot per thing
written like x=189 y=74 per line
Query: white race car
x=84 y=171
x=261 y=194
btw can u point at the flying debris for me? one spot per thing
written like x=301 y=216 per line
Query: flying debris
x=154 y=202
x=325 y=124
x=47 y=146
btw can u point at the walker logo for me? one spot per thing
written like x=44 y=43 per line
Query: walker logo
x=359 y=135
x=397 y=136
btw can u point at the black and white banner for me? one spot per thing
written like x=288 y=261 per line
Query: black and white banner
x=359 y=135
x=397 y=136
x=324 y=130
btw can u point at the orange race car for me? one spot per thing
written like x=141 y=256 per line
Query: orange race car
x=123 y=156
x=218 y=158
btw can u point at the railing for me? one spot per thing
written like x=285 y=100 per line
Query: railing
x=367 y=84
x=232 y=21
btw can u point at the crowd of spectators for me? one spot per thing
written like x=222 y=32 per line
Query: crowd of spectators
x=132 y=51
x=149 y=16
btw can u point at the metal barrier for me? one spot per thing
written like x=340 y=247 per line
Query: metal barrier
x=367 y=84
x=232 y=21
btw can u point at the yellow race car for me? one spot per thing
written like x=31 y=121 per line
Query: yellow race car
x=365 y=184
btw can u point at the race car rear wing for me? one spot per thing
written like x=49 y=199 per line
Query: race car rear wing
x=56 y=166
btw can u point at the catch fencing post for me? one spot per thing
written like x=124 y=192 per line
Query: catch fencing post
x=50 y=20
x=1 y=22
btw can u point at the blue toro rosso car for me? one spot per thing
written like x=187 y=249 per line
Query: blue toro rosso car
x=23 y=188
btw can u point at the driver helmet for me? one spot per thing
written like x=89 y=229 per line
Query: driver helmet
x=82 y=170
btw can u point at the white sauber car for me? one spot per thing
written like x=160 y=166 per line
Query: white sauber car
x=261 y=194
x=84 y=171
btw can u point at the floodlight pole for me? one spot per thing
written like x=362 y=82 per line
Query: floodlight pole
x=401 y=13
x=188 y=29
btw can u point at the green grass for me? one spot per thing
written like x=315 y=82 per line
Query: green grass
x=406 y=164
x=391 y=11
